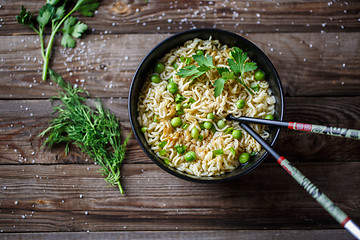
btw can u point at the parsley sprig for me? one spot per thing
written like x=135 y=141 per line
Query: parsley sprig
x=95 y=132
x=238 y=65
x=57 y=13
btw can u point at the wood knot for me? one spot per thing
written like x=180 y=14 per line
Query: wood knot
x=43 y=201
x=120 y=7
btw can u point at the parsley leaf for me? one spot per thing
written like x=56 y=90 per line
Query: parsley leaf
x=78 y=29
x=187 y=71
x=204 y=60
x=67 y=40
x=219 y=86
x=238 y=64
x=73 y=28
x=219 y=83
x=69 y=23
x=59 y=13
x=205 y=63
x=46 y=13
x=87 y=7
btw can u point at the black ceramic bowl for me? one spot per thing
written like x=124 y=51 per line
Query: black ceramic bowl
x=230 y=39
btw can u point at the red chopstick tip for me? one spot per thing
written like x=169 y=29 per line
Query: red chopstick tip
x=345 y=221
x=291 y=125
x=280 y=159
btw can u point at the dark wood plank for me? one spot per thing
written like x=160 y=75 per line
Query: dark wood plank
x=173 y=16
x=105 y=64
x=22 y=120
x=76 y=198
x=208 y=235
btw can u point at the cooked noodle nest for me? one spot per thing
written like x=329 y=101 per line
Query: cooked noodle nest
x=156 y=101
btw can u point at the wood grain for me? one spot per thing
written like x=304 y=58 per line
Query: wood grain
x=173 y=16
x=22 y=120
x=106 y=64
x=314 y=46
x=76 y=198
x=208 y=235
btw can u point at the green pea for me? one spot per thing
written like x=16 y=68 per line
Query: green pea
x=259 y=75
x=221 y=124
x=143 y=129
x=244 y=157
x=210 y=116
x=236 y=134
x=190 y=156
x=176 y=122
x=159 y=67
x=207 y=125
x=155 y=78
x=199 y=52
x=195 y=133
x=172 y=88
x=240 y=103
x=270 y=117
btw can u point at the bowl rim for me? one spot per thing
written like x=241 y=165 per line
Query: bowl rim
x=174 y=171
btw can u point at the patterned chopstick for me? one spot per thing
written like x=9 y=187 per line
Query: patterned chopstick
x=332 y=131
x=320 y=197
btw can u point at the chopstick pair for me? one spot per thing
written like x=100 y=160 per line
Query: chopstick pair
x=306 y=127
x=319 y=196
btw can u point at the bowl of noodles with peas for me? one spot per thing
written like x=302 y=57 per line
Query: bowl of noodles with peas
x=182 y=92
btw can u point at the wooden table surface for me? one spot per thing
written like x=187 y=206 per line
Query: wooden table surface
x=315 y=47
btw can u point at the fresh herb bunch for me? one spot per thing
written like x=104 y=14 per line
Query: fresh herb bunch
x=238 y=65
x=57 y=13
x=96 y=132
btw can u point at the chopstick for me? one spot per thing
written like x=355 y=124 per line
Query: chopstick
x=319 y=196
x=332 y=131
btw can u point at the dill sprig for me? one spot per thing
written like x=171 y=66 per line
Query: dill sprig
x=96 y=132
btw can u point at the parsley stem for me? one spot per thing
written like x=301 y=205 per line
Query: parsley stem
x=33 y=28
x=242 y=82
x=50 y=44
x=40 y=32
